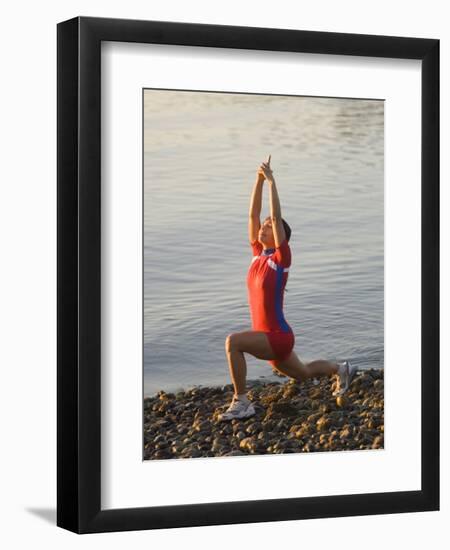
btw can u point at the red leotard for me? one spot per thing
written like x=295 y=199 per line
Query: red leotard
x=266 y=279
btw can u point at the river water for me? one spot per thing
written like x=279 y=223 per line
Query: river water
x=201 y=153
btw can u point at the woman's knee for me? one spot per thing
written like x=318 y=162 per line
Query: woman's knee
x=293 y=367
x=231 y=342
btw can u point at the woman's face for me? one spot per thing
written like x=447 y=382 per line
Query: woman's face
x=265 y=235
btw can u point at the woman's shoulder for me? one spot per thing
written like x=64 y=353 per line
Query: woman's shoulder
x=282 y=254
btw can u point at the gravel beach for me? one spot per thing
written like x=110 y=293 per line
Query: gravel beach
x=291 y=417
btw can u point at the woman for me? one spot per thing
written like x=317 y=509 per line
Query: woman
x=272 y=338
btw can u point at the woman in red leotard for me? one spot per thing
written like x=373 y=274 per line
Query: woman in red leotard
x=271 y=337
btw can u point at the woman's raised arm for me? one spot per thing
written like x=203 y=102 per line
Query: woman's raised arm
x=275 y=206
x=254 y=222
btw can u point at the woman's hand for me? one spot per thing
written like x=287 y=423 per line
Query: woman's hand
x=260 y=175
x=266 y=170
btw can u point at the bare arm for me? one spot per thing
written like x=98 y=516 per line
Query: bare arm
x=254 y=222
x=275 y=208
x=275 y=213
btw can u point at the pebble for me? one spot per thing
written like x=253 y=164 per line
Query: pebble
x=341 y=401
x=290 y=418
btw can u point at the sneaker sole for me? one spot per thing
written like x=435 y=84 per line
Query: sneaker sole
x=221 y=418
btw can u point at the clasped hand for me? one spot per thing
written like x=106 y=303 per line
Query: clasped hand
x=265 y=171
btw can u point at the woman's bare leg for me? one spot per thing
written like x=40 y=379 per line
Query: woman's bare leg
x=254 y=342
x=294 y=368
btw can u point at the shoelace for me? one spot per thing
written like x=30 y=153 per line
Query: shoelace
x=233 y=403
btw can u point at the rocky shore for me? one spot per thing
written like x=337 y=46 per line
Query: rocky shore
x=290 y=417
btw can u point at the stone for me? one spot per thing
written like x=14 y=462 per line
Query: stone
x=253 y=428
x=378 y=442
x=341 y=401
x=290 y=391
x=346 y=432
x=248 y=444
x=315 y=393
x=378 y=384
x=323 y=423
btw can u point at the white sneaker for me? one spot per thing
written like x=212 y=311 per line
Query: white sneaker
x=238 y=409
x=344 y=378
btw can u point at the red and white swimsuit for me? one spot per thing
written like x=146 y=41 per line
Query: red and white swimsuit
x=266 y=279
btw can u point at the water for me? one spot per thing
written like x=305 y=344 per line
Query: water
x=201 y=153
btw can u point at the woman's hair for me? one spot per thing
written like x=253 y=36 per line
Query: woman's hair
x=287 y=229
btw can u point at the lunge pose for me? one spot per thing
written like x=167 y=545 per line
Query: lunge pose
x=271 y=337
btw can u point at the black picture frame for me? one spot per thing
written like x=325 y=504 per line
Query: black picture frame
x=79 y=275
